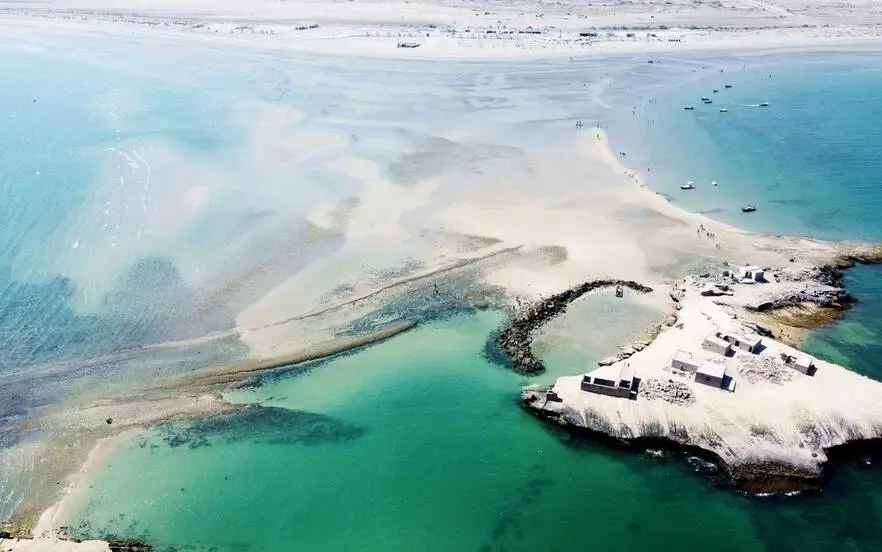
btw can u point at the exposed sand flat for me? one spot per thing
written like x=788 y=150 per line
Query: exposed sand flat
x=778 y=422
x=527 y=234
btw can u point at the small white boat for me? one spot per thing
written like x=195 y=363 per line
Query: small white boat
x=764 y=104
x=748 y=208
x=705 y=99
x=723 y=110
x=688 y=186
x=688 y=107
x=728 y=86
x=713 y=182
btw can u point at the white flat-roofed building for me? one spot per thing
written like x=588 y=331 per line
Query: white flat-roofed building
x=713 y=374
x=683 y=360
x=717 y=345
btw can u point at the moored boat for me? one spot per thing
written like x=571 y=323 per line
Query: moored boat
x=748 y=208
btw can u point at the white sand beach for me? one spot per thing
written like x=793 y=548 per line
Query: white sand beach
x=402 y=237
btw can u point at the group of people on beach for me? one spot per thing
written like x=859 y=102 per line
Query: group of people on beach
x=708 y=234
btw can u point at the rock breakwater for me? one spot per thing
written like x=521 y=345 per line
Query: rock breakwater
x=515 y=340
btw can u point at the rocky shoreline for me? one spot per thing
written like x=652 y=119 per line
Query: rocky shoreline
x=516 y=339
x=755 y=479
x=769 y=434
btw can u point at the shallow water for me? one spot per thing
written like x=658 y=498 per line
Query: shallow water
x=424 y=448
x=416 y=443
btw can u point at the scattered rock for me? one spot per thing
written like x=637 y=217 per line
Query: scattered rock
x=757 y=369
x=671 y=391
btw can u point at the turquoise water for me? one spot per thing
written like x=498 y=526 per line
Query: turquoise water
x=416 y=443
x=855 y=341
x=808 y=161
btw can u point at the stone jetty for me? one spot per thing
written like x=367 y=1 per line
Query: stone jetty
x=515 y=340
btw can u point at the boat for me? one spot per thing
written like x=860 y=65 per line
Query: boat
x=713 y=182
x=716 y=91
x=748 y=208
x=764 y=104
x=687 y=186
x=408 y=45
x=723 y=110
x=705 y=99
x=728 y=86
x=688 y=107
x=708 y=102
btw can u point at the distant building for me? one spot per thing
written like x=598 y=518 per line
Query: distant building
x=713 y=374
x=750 y=274
x=683 y=361
x=609 y=382
x=714 y=344
x=751 y=344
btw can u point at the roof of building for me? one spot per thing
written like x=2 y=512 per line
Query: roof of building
x=803 y=360
x=627 y=372
x=752 y=340
x=713 y=369
x=716 y=341
x=683 y=356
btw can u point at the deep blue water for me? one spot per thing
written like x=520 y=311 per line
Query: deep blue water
x=809 y=161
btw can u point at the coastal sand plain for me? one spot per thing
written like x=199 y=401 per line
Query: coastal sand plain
x=540 y=220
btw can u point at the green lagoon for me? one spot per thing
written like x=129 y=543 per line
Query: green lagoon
x=418 y=444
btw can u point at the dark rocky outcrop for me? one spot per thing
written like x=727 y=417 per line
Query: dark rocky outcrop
x=129 y=545
x=515 y=340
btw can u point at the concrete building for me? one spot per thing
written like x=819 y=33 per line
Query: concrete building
x=802 y=363
x=713 y=374
x=751 y=344
x=610 y=381
x=714 y=344
x=683 y=361
x=750 y=274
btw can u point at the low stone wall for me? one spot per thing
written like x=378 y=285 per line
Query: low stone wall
x=515 y=341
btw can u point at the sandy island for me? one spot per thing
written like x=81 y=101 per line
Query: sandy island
x=766 y=412
x=509 y=242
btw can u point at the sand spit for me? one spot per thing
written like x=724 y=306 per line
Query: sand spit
x=515 y=341
x=771 y=430
x=242 y=371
